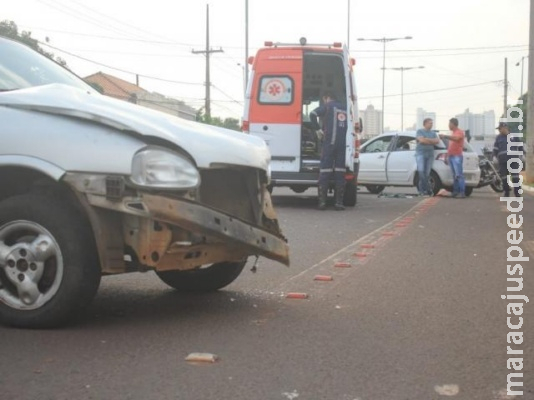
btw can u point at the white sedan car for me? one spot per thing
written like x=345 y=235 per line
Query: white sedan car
x=94 y=186
x=389 y=160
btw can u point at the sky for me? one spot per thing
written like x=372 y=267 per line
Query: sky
x=462 y=45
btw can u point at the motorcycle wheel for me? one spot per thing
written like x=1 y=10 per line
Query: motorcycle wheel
x=496 y=185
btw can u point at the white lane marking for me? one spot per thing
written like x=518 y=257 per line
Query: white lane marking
x=353 y=244
x=503 y=395
x=447 y=390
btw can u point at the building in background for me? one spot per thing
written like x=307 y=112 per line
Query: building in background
x=479 y=125
x=120 y=89
x=422 y=115
x=372 y=121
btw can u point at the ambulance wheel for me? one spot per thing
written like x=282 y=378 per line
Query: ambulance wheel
x=350 y=195
x=468 y=191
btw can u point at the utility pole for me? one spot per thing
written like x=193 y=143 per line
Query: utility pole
x=529 y=129
x=384 y=40
x=505 y=86
x=246 y=45
x=402 y=69
x=348 y=24
x=207 y=52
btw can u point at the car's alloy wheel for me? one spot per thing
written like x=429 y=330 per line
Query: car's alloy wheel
x=48 y=265
x=33 y=265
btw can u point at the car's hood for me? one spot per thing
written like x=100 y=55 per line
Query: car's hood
x=207 y=144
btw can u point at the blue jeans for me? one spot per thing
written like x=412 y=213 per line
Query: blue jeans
x=424 y=166
x=457 y=167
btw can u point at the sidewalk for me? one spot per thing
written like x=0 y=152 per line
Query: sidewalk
x=437 y=285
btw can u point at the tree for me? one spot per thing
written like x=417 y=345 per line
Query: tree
x=228 y=123
x=10 y=30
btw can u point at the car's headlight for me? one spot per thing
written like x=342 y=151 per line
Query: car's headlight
x=159 y=168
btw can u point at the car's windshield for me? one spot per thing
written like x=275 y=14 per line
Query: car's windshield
x=22 y=67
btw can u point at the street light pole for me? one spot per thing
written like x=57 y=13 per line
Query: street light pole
x=522 y=62
x=402 y=69
x=384 y=40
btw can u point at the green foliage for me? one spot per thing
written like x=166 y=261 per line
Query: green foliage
x=10 y=30
x=228 y=123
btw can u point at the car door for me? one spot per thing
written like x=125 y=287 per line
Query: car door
x=401 y=164
x=373 y=157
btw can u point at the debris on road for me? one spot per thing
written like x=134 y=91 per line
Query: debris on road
x=202 y=357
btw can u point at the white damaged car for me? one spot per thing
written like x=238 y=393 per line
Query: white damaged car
x=92 y=186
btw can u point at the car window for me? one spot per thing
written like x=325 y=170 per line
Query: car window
x=378 y=145
x=405 y=143
x=22 y=67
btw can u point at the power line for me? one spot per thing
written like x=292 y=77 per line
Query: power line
x=432 y=90
x=444 y=55
x=118 y=69
x=446 y=49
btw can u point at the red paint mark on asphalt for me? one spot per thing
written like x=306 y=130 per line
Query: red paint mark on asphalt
x=295 y=295
x=324 y=278
x=342 y=265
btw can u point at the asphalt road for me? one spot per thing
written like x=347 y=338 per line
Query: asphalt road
x=418 y=317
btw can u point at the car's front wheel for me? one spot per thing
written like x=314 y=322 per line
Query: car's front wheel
x=48 y=265
x=468 y=191
x=375 y=189
x=203 y=279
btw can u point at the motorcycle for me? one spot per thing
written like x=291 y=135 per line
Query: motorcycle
x=488 y=173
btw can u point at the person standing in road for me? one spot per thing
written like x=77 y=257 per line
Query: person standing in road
x=455 y=157
x=500 y=150
x=424 y=156
x=333 y=132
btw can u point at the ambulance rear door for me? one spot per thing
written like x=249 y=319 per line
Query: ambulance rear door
x=352 y=110
x=275 y=111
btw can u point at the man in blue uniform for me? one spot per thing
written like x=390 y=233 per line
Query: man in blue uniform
x=334 y=130
x=500 y=150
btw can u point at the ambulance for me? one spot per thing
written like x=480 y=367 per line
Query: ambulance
x=286 y=84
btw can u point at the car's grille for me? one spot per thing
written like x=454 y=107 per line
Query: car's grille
x=233 y=191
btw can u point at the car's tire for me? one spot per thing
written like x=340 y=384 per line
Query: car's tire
x=49 y=269
x=435 y=183
x=299 y=189
x=350 y=195
x=375 y=189
x=468 y=191
x=206 y=279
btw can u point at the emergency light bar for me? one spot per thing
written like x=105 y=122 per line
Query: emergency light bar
x=303 y=42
